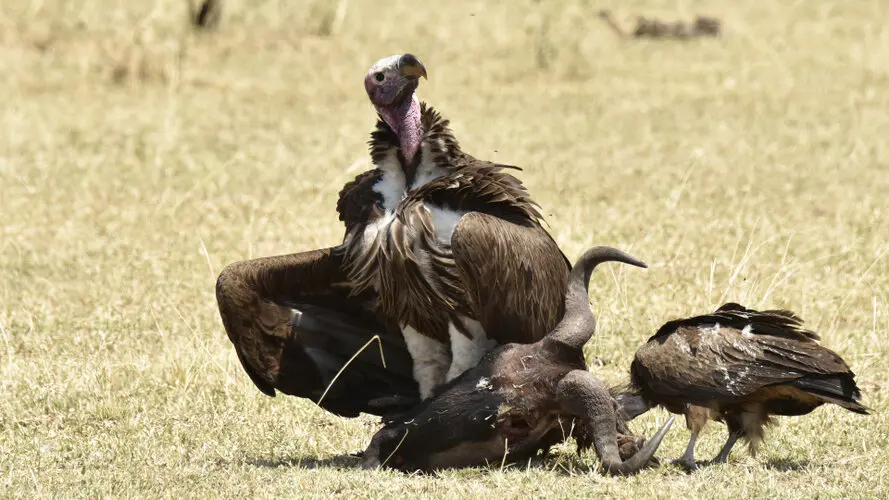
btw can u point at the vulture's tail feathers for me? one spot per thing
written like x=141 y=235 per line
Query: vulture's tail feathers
x=839 y=389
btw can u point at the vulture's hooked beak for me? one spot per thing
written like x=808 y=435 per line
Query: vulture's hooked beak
x=411 y=67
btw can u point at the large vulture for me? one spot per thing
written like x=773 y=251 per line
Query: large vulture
x=452 y=245
x=739 y=366
x=444 y=255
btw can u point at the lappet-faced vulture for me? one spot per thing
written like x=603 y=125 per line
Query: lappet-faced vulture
x=452 y=246
x=443 y=256
x=739 y=366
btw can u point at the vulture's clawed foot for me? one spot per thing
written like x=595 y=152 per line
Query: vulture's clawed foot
x=688 y=464
x=717 y=460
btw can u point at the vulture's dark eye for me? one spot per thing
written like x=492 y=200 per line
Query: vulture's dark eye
x=379 y=77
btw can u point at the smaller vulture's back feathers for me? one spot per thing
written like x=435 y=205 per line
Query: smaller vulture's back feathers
x=774 y=322
x=738 y=355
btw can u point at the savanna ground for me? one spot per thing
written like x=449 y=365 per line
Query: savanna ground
x=137 y=159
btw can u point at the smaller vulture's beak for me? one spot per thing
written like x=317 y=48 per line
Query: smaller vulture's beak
x=412 y=67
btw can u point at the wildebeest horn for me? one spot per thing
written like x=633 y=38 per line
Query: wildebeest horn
x=578 y=324
x=581 y=394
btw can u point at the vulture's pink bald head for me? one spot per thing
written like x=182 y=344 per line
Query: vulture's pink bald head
x=390 y=85
x=393 y=79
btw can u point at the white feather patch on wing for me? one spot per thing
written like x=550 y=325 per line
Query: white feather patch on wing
x=392 y=186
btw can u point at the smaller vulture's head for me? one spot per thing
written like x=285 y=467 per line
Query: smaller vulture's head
x=393 y=79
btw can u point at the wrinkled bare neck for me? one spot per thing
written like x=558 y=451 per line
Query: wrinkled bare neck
x=404 y=118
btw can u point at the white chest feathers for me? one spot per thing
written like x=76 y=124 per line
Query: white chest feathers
x=393 y=188
x=444 y=220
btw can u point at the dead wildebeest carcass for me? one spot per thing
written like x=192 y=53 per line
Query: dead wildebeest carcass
x=520 y=399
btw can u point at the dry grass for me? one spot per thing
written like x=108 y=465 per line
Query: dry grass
x=138 y=158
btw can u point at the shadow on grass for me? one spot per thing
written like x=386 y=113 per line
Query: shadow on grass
x=568 y=464
x=786 y=464
x=345 y=461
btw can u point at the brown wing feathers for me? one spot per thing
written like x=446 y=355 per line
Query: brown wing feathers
x=481 y=245
x=300 y=354
x=358 y=202
x=778 y=323
x=698 y=362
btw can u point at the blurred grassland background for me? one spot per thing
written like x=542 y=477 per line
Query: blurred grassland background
x=137 y=158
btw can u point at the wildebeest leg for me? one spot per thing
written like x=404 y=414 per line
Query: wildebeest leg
x=581 y=394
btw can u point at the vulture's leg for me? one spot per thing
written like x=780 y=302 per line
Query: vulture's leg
x=695 y=419
x=431 y=359
x=467 y=348
x=722 y=457
x=736 y=430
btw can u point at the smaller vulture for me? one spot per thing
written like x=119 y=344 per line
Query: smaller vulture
x=739 y=366
x=520 y=399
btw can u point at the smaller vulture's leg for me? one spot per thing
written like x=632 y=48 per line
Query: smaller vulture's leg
x=687 y=459
x=431 y=359
x=582 y=395
x=735 y=431
x=695 y=419
x=722 y=457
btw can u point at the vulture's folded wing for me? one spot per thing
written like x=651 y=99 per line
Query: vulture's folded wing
x=493 y=255
x=712 y=362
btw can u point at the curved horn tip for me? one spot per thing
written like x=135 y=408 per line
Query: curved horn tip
x=604 y=253
x=638 y=461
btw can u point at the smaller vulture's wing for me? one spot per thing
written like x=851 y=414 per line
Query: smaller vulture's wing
x=731 y=354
